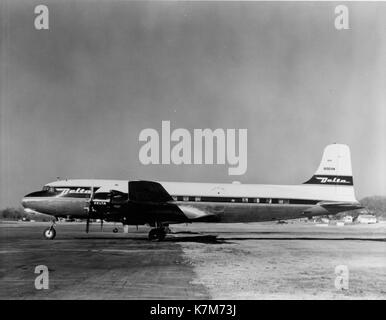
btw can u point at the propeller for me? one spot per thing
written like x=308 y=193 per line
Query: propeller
x=100 y=212
x=90 y=208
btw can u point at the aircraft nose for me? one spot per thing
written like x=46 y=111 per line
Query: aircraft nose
x=25 y=202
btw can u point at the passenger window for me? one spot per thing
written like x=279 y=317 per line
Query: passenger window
x=197 y=199
x=244 y=199
x=186 y=198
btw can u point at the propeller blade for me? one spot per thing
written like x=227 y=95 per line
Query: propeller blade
x=101 y=224
x=88 y=224
x=90 y=208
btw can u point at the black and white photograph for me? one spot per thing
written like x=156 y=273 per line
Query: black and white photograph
x=192 y=150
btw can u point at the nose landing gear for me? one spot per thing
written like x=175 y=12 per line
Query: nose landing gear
x=50 y=232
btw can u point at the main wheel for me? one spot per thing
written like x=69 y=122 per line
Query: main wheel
x=161 y=234
x=49 y=233
x=153 y=234
x=115 y=230
x=157 y=234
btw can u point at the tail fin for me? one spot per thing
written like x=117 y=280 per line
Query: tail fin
x=335 y=167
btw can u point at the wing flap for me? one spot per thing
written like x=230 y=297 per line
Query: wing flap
x=195 y=214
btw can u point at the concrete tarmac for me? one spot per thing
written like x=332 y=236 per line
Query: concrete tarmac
x=198 y=261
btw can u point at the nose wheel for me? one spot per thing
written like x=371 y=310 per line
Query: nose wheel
x=49 y=233
x=157 y=234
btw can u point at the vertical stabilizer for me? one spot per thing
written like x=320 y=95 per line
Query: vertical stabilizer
x=335 y=167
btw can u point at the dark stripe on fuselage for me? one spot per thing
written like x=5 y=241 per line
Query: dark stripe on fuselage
x=82 y=193
x=225 y=209
x=104 y=196
x=245 y=200
x=331 y=180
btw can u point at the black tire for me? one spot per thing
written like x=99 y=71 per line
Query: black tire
x=115 y=230
x=49 y=233
x=153 y=235
x=161 y=235
x=157 y=234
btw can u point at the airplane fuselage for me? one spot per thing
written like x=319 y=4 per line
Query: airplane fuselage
x=198 y=201
x=329 y=191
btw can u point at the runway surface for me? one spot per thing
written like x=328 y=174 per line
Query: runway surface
x=198 y=261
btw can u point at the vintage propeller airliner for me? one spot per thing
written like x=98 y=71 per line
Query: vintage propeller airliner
x=329 y=191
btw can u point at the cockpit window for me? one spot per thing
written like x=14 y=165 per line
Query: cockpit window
x=50 y=189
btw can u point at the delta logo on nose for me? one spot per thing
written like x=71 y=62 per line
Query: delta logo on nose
x=77 y=190
x=158 y=150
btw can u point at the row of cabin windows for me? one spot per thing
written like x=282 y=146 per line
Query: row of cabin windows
x=233 y=200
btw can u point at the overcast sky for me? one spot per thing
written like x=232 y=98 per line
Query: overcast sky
x=75 y=98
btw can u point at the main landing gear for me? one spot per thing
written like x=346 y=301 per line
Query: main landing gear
x=158 y=233
x=50 y=232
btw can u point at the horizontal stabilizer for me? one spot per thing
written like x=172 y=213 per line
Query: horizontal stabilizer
x=148 y=191
x=340 y=206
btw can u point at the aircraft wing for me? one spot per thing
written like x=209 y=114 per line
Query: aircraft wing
x=148 y=191
x=153 y=194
